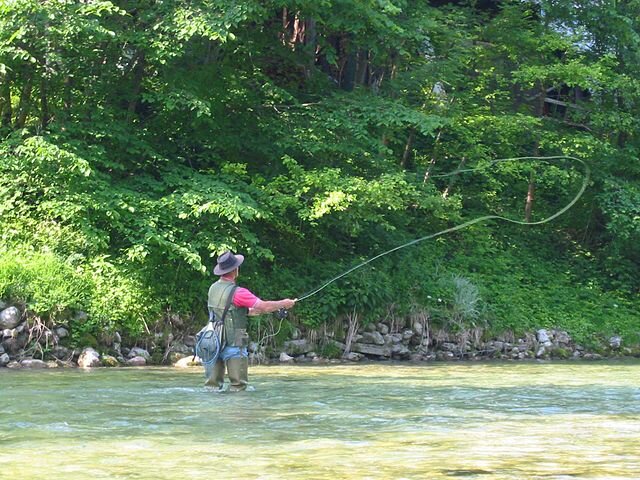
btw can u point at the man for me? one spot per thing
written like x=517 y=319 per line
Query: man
x=239 y=302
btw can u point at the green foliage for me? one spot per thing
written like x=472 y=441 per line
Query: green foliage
x=139 y=140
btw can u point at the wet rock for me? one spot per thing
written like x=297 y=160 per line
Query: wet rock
x=285 y=358
x=592 y=356
x=615 y=342
x=32 y=363
x=374 y=338
x=416 y=357
x=139 y=352
x=297 y=347
x=4 y=360
x=9 y=318
x=187 y=362
x=138 y=361
x=354 y=357
x=89 y=358
x=400 y=351
x=375 y=350
x=109 y=361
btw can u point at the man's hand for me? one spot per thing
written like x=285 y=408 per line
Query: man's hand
x=288 y=303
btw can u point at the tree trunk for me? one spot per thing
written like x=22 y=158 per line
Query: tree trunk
x=137 y=84
x=452 y=181
x=5 y=95
x=528 y=207
x=25 y=103
x=432 y=162
x=407 y=148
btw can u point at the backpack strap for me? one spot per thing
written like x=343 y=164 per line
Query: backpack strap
x=229 y=300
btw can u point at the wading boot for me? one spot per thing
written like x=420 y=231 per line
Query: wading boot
x=238 y=370
x=216 y=379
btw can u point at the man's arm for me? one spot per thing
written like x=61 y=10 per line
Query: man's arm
x=267 y=306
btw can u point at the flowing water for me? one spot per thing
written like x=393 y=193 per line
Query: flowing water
x=374 y=421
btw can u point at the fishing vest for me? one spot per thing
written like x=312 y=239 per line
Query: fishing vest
x=235 y=322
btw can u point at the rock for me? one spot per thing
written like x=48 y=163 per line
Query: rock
x=32 y=363
x=392 y=338
x=418 y=327
x=416 y=357
x=370 y=328
x=285 y=358
x=89 y=358
x=7 y=333
x=615 y=342
x=187 y=362
x=138 y=361
x=13 y=364
x=406 y=335
x=592 y=356
x=543 y=336
x=3 y=305
x=400 y=351
x=62 y=332
x=109 y=361
x=4 y=360
x=383 y=328
x=354 y=357
x=1 y=349
x=9 y=318
x=576 y=354
x=139 y=352
x=563 y=338
x=375 y=350
x=297 y=347
x=174 y=357
x=253 y=347
x=374 y=338
x=541 y=351
x=81 y=316
x=302 y=359
x=449 y=347
x=190 y=340
x=60 y=352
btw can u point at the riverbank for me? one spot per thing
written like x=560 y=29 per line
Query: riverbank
x=28 y=342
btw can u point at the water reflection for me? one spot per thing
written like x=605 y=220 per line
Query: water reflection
x=489 y=421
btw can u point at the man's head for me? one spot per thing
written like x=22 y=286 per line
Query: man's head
x=227 y=264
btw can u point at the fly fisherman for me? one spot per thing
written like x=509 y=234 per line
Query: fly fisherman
x=238 y=302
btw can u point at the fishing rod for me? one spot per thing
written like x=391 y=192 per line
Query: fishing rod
x=583 y=187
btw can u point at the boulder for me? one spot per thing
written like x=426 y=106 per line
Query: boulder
x=60 y=352
x=89 y=358
x=543 y=336
x=297 y=347
x=383 y=328
x=562 y=338
x=138 y=361
x=62 y=332
x=615 y=342
x=285 y=358
x=354 y=357
x=3 y=305
x=4 y=360
x=541 y=351
x=374 y=338
x=406 y=335
x=418 y=327
x=32 y=363
x=392 y=338
x=375 y=350
x=370 y=328
x=400 y=351
x=9 y=318
x=187 y=362
x=139 y=352
x=109 y=361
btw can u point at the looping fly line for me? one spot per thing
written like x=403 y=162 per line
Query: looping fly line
x=585 y=182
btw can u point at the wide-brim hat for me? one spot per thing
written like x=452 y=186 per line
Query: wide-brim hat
x=227 y=262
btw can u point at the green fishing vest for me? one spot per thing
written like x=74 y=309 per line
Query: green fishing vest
x=235 y=322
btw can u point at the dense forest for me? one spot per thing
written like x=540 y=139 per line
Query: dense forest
x=141 y=138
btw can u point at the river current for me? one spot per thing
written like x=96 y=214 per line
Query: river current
x=362 y=421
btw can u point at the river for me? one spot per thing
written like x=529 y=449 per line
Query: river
x=370 y=421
